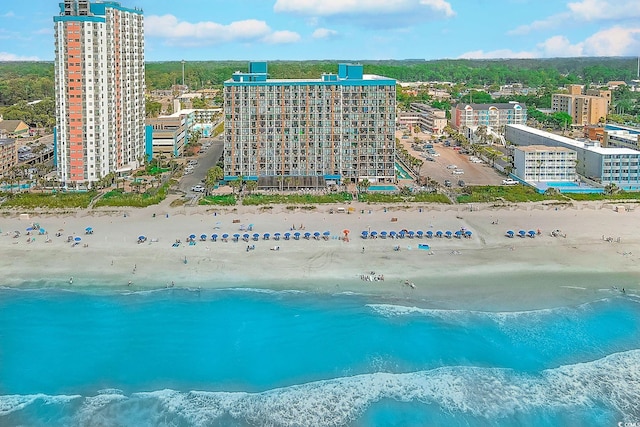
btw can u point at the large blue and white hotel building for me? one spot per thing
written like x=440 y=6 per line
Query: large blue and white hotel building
x=309 y=132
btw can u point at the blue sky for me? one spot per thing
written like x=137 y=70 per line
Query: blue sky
x=352 y=29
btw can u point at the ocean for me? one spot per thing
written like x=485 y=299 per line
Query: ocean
x=242 y=357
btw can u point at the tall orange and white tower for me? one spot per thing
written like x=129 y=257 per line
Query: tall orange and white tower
x=100 y=90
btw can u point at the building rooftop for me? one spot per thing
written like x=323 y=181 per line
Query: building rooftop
x=536 y=148
x=591 y=146
x=499 y=106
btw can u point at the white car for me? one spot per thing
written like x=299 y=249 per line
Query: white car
x=197 y=188
x=509 y=181
x=458 y=172
x=452 y=167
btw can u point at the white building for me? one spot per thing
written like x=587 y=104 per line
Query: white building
x=619 y=166
x=539 y=163
x=100 y=87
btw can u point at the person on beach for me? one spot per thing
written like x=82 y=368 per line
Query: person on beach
x=71 y=280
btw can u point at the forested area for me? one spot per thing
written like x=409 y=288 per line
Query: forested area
x=28 y=81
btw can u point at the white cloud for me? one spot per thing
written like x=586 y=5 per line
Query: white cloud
x=586 y=11
x=324 y=33
x=559 y=46
x=372 y=13
x=282 y=37
x=616 y=41
x=496 y=54
x=9 y=14
x=178 y=32
x=6 y=56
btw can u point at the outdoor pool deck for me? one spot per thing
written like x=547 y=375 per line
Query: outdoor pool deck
x=566 y=187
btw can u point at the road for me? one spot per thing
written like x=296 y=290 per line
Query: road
x=206 y=161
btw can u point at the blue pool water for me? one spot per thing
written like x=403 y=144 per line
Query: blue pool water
x=179 y=357
x=205 y=128
x=401 y=173
x=382 y=188
x=562 y=184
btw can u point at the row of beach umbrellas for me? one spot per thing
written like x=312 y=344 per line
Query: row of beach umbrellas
x=521 y=233
x=265 y=236
x=411 y=234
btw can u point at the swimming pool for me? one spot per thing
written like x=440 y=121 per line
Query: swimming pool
x=205 y=128
x=562 y=184
x=401 y=173
x=382 y=188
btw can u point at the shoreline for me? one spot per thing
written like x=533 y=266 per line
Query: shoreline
x=487 y=268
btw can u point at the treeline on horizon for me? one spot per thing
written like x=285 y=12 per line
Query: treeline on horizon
x=27 y=81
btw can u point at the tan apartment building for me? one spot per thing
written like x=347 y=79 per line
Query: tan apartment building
x=8 y=155
x=584 y=108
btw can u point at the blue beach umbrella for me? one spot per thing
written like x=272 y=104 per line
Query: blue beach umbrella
x=193 y=236
x=326 y=233
x=532 y=233
x=236 y=237
x=522 y=233
x=438 y=233
x=419 y=234
x=429 y=234
x=203 y=237
x=287 y=236
x=468 y=233
x=77 y=239
x=401 y=234
x=510 y=233
x=296 y=235
x=383 y=234
x=29 y=228
x=139 y=238
x=458 y=233
x=364 y=234
x=411 y=234
x=448 y=234
x=392 y=234
x=245 y=237
x=225 y=236
x=374 y=234
x=276 y=236
x=43 y=231
x=307 y=235
x=214 y=237
x=266 y=236
x=256 y=236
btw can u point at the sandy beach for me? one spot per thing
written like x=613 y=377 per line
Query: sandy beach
x=584 y=250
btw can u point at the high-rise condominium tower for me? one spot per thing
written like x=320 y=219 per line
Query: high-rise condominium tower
x=100 y=90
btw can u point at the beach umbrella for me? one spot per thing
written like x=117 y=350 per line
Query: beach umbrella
x=193 y=236
x=448 y=234
x=236 y=237
x=245 y=237
x=29 y=228
x=316 y=234
x=307 y=235
x=276 y=236
x=374 y=234
x=458 y=233
x=296 y=235
x=401 y=234
x=438 y=233
x=345 y=232
x=77 y=239
x=419 y=234
x=203 y=237
x=411 y=234
x=510 y=233
x=214 y=237
x=88 y=229
x=266 y=236
x=522 y=233
x=139 y=238
x=392 y=234
x=327 y=233
x=287 y=236
x=429 y=234
x=225 y=236
x=43 y=231
x=532 y=233
x=468 y=233
x=365 y=233
x=383 y=234
x=256 y=236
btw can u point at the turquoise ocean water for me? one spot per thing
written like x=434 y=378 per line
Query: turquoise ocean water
x=177 y=357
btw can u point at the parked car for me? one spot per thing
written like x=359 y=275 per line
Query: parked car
x=197 y=188
x=452 y=167
x=429 y=159
x=458 y=172
x=509 y=181
x=461 y=183
x=447 y=183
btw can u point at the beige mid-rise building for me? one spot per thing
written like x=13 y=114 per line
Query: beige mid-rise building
x=585 y=109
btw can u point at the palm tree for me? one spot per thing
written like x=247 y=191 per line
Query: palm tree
x=363 y=185
x=251 y=186
x=611 y=189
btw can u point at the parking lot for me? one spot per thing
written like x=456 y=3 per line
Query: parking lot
x=442 y=167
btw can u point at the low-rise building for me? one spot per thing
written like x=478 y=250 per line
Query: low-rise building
x=540 y=163
x=14 y=128
x=490 y=115
x=168 y=136
x=428 y=118
x=605 y=165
